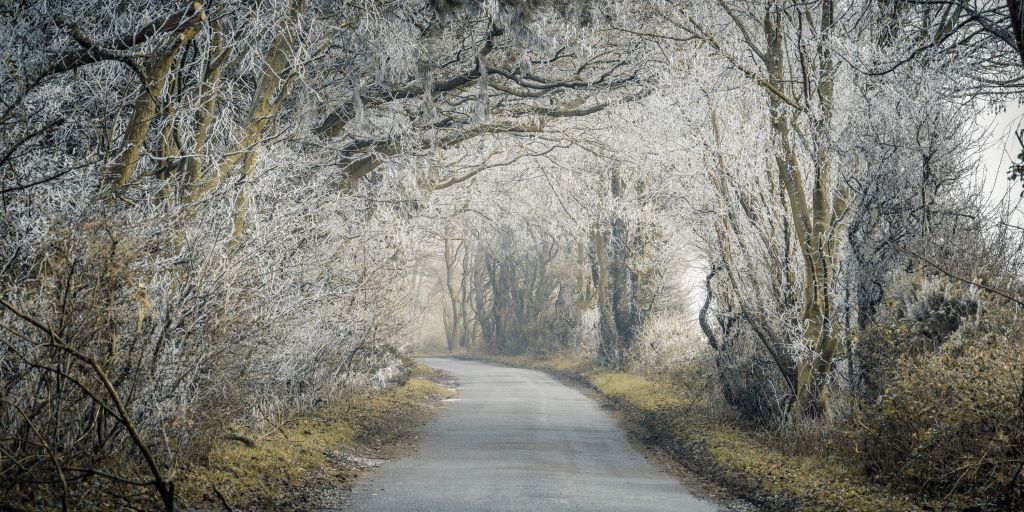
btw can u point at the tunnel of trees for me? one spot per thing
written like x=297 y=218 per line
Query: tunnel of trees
x=217 y=214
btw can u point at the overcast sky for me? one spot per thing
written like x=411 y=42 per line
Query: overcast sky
x=1003 y=147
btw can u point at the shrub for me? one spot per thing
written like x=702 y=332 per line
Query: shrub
x=665 y=342
x=953 y=417
x=918 y=317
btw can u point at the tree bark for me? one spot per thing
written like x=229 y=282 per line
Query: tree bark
x=208 y=93
x=272 y=89
x=119 y=173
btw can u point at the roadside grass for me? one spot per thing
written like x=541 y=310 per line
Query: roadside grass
x=758 y=466
x=298 y=451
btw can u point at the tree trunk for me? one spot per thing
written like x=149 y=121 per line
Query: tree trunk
x=119 y=174
x=815 y=224
x=274 y=79
x=208 y=92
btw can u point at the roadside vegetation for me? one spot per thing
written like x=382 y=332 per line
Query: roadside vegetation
x=307 y=460
x=293 y=465
x=820 y=469
x=802 y=257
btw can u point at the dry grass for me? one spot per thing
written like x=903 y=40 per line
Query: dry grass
x=814 y=482
x=643 y=393
x=298 y=450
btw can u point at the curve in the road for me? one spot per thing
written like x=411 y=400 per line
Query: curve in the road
x=518 y=440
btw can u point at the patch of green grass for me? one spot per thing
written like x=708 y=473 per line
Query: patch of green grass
x=426 y=373
x=816 y=482
x=568 y=364
x=554 y=363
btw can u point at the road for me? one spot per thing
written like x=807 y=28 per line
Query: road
x=519 y=440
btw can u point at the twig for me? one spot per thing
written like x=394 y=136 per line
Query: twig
x=977 y=283
x=244 y=439
x=223 y=500
x=164 y=488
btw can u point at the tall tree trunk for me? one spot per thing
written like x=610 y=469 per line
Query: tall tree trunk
x=455 y=321
x=815 y=223
x=623 y=279
x=271 y=90
x=119 y=173
x=208 y=93
x=465 y=304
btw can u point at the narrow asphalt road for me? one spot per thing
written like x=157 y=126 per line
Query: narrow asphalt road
x=518 y=440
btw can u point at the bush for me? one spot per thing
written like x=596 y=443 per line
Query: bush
x=918 y=317
x=665 y=342
x=953 y=418
x=130 y=345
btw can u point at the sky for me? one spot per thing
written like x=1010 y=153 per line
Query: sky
x=1002 y=148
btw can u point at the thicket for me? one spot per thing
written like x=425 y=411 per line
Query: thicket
x=215 y=215
x=943 y=409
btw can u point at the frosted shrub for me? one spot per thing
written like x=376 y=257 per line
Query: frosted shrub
x=919 y=316
x=666 y=341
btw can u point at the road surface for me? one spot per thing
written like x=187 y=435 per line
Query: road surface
x=518 y=440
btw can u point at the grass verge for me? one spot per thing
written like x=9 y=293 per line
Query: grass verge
x=288 y=467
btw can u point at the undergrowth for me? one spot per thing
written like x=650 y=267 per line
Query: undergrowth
x=299 y=449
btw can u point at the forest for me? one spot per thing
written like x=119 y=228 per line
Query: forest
x=218 y=215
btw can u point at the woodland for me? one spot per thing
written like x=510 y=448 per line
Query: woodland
x=217 y=215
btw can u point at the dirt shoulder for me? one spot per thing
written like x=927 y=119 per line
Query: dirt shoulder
x=742 y=469
x=312 y=462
